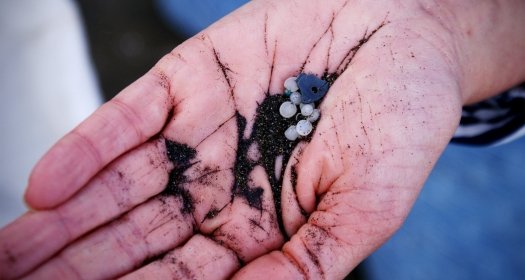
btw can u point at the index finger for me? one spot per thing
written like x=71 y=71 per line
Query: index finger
x=132 y=117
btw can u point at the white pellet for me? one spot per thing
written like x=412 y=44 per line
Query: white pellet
x=307 y=109
x=287 y=109
x=291 y=84
x=314 y=116
x=295 y=98
x=303 y=127
x=291 y=133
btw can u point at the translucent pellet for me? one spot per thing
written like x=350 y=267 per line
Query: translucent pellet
x=314 y=116
x=307 y=109
x=291 y=133
x=287 y=109
x=295 y=98
x=303 y=127
x=291 y=84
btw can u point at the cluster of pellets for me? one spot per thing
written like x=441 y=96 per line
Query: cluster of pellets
x=303 y=92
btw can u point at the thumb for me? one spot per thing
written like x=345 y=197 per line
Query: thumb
x=314 y=252
x=338 y=236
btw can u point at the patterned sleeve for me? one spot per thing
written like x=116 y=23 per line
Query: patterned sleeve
x=495 y=121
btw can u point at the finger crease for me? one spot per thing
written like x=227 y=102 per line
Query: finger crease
x=62 y=221
x=124 y=245
x=130 y=116
x=70 y=267
x=87 y=145
x=296 y=264
x=314 y=258
x=228 y=248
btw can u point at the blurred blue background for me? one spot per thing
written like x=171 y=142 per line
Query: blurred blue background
x=468 y=223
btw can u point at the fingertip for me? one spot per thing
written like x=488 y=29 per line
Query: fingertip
x=29 y=200
x=42 y=191
x=38 y=196
x=35 y=201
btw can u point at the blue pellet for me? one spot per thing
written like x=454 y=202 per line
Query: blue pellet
x=312 y=88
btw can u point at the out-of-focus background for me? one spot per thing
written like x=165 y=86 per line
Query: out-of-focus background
x=60 y=59
x=47 y=86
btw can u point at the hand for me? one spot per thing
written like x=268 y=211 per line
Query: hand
x=187 y=174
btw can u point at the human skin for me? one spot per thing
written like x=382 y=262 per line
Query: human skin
x=403 y=68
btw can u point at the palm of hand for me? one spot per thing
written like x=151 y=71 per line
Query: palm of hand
x=205 y=161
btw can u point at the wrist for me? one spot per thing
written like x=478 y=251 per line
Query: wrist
x=489 y=43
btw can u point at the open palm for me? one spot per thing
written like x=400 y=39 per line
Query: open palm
x=187 y=173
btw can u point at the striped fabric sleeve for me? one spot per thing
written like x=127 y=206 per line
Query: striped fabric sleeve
x=495 y=121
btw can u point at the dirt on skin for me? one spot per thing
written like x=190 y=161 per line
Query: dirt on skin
x=268 y=135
